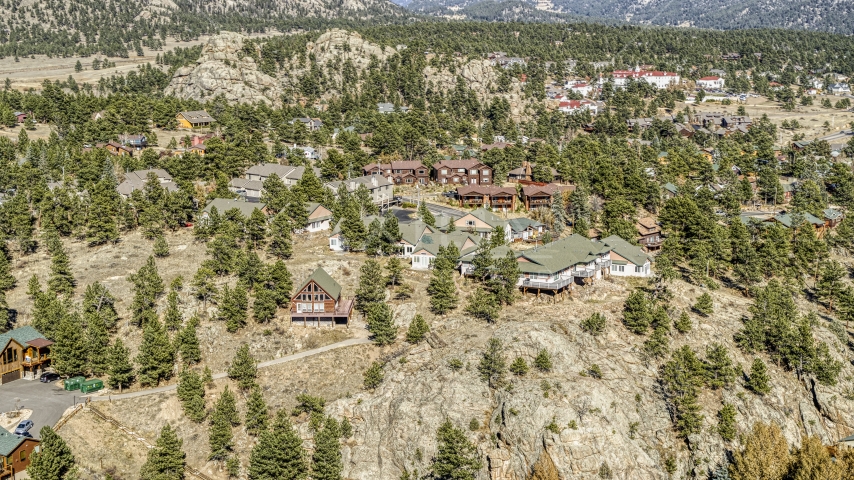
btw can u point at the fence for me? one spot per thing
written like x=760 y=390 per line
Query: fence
x=65 y=418
x=192 y=471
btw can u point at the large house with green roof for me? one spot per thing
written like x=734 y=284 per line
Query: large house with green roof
x=319 y=301
x=427 y=248
x=483 y=222
x=24 y=353
x=15 y=452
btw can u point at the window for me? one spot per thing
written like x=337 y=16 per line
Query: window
x=618 y=268
x=638 y=269
x=469 y=223
x=408 y=180
x=461 y=170
x=444 y=171
x=485 y=172
x=473 y=181
x=23 y=455
x=318 y=307
x=473 y=172
x=333 y=242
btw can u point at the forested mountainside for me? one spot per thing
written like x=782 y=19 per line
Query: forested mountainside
x=117 y=28
x=824 y=15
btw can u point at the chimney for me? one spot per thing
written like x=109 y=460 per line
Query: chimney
x=374 y=180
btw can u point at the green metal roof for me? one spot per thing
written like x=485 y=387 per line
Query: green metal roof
x=412 y=232
x=324 y=281
x=832 y=214
x=310 y=207
x=787 y=220
x=432 y=242
x=9 y=442
x=21 y=335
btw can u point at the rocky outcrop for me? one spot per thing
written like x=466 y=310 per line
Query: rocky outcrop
x=224 y=69
x=482 y=77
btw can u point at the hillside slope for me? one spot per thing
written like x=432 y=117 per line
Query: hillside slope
x=823 y=15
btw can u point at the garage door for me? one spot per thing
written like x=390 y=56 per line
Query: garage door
x=11 y=376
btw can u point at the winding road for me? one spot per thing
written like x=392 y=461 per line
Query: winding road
x=276 y=361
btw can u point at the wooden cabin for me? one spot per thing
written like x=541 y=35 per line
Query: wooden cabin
x=319 y=301
x=25 y=354
x=15 y=452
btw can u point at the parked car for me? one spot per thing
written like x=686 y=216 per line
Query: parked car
x=48 y=377
x=24 y=427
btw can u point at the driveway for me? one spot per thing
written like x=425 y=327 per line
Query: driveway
x=46 y=400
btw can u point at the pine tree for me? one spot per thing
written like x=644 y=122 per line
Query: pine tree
x=390 y=235
x=97 y=343
x=54 y=460
x=493 y=366
x=381 y=324
x=221 y=439
x=281 y=243
x=172 y=319
x=61 y=279
x=543 y=361
x=70 y=341
x=147 y=287
x=326 y=463
x=425 y=215
x=704 y=305
x=256 y=228
x=457 y=457
x=719 y=368
x=161 y=247
x=657 y=345
x=558 y=210
x=594 y=324
x=99 y=305
x=442 y=288
x=683 y=323
x=278 y=279
x=120 y=369
x=370 y=291
x=418 y=329
x=758 y=382
x=264 y=307
x=394 y=267
x=637 y=314
x=279 y=454
x=203 y=284
x=191 y=393
x=483 y=305
x=5 y=318
x=7 y=280
x=243 y=368
x=226 y=407
x=188 y=343
x=233 y=306
x=829 y=286
x=519 y=367
x=374 y=375
x=34 y=288
x=374 y=240
x=156 y=356
x=726 y=422
x=167 y=460
x=257 y=416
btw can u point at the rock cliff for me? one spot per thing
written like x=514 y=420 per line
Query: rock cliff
x=224 y=69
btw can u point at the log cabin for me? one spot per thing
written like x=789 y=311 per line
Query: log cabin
x=25 y=353
x=319 y=301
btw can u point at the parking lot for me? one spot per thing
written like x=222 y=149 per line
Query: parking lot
x=47 y=401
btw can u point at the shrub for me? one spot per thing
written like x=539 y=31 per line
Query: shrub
x=519 y=367
x=543 y=362
x=594 y=324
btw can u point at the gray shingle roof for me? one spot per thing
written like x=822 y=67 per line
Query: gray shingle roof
x=432 y=242
x=224 y=204
x=626 y=250
x=562 y=254
x=324 y=281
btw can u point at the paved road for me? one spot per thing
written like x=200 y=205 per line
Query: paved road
x=276 y=361
x=437 y=208
x=46 y=400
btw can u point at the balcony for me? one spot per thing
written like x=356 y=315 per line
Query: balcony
x=32 y=361
x=555 y=285
x=584 y=272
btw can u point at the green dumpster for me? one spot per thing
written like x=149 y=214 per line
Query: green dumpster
x=90 y=386
x=74 y=383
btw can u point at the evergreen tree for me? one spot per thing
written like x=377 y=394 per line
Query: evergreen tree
x=829 y=287
x=758 y=382
x=374 y=375
x=326 y=463
x=279 y=454
x=493 y=366
x=120 y=369
x=681 y=377
x=167 y=460
x=657 y=345
x=519 y=367
x=719 y=368
x=442 y=288
x=594 y=324
x=233 y=306
x=370 y=291
x=70 y=341
x=5 y=317
x=637 y=314
x=188 y=343
x=54 y=460
x=482 y=262
x=726 y=422
x=156 y=356
x=278 y=279
x=147 y=287
x=173 y=319
x=257 y=416
x=457 y=457
x=191 y=393
x=256 y=228
x=390 y=235
x=543 y=361
x=264 y=307
x=161 y=247
x=381 y=324
x=243 y=368
x=704 y=305
x=374 y=239
x=61 y=279
x=203 y=284
x=683 y=323
x=418 y=329
x=281 y=244
x=395 y=271
x=99 y=305
x=425 y=215
x=97 y=344
x=483 y=305
x=558 y=211
x=7 y=280
x=221 y=439
x=765 y=454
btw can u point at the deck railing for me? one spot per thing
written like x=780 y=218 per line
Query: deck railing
x=555 y=285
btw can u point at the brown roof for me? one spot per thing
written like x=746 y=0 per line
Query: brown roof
x=406 y=165
x=465 y=163
x=647 y=222
x=485 y=190
x=40 y=343
x=548 y=189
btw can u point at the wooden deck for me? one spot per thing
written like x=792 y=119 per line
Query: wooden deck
x=341 y=315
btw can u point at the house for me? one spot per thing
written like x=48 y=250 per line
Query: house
x=832 y=217
x=483 y=222
x=21 y=117
x=525 y=173
x=581 y=88
x=319 y=301
x=462 y=172
x=573 y=106
x=788 y=221
x=425 y=252
x=194 y=119
x=337 y=242
x=711 y=83
x=309 y=152
x=540 y=195
x=15 y=452
x=249 y=190
x=319 y=217
x=657 y=79
x=223 y=205
x=627 y=260
x=118 y=149
x=522 y=229
x=487 y=196
x=669 y=190
x=381 y=190
x=136 y=181
x=390 y=108
x=649 y=233
x=405 y=172
x=558 y=265
x=839 y=89
x=198 y=149
x=312 y=124
x=289 y=174
x=24 y=354
x=411 y=233
x=137 y=142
